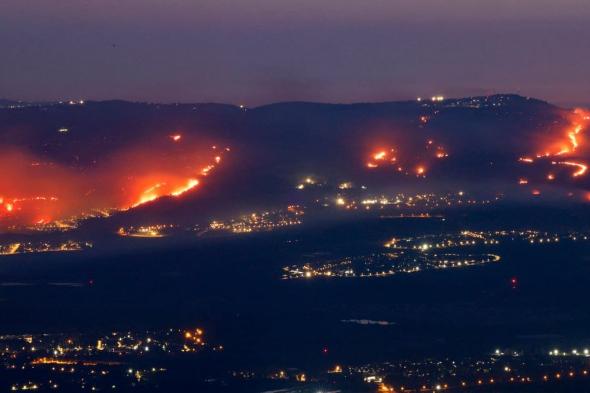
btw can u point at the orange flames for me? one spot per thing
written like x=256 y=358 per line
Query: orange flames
x=34 y=191
x=385 y=157
x=567 y=145
x=381 y=157
x=172 y=182
x=164 y=189
x=581 y=168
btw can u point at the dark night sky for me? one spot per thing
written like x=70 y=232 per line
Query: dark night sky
x=260 y=51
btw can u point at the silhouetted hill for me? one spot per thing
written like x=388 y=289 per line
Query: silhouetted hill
x=274 y=146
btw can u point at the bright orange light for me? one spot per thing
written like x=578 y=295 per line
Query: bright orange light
x=407 y=164
x=536 y=192
x=171 y=189
x=380 y=155
x=523 y=181
x=190 y=184
x=566 y=145
x=572 y=140
x=206 y=170
x=150 y=194
x=572 y=135
x=176 y=137
x=47 y=193
x=582 y=168
x=384 y=388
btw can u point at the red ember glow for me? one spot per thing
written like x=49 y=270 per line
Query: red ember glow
x=37 y=192
x=567 y=145
x=582 y=168
x=421 y=155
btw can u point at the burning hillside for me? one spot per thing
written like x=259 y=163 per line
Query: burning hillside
x=36 y=191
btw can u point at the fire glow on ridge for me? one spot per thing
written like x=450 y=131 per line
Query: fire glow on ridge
x=36 y=192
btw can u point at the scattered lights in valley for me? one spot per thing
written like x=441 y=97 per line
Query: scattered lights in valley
x=509 y=368
x=417 y=205
x=260 y=222
x=149 y=231
x=425 y=252
x=96 y=362
x=265 y=221
x=28 y=247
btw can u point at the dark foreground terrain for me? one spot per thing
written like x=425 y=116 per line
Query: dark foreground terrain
x=451 y=326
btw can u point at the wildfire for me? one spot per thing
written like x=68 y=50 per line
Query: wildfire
x=40 y=195
x=205 y=171
x=441 y=153
x=566 y=145
x=149 y=195
x=389 y=157
x=174 y=188
x=9 y=206
x=582 y=168
x=190 y=184
x=573 y=136
x=380 y=156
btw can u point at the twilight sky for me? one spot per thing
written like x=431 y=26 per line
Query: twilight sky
x=261 y=51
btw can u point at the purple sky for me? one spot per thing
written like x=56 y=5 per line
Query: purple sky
x=260 y=51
